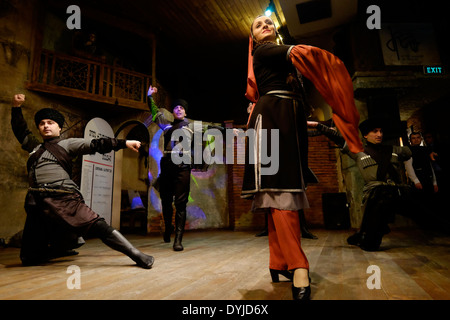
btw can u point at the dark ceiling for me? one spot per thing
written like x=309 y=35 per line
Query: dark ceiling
x=202 y=44
x=201 y=49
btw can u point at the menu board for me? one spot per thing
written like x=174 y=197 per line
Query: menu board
x=97 y=174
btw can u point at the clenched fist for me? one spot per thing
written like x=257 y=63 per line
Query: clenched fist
x=18 y=100
x=133 y=145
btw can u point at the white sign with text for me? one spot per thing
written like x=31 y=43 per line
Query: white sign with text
x=98 y=172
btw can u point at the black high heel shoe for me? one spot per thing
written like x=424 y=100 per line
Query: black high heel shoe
x=302 y=293
x=275 y=274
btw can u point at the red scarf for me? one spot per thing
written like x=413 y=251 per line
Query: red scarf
x=252 y=89
x=330 y=77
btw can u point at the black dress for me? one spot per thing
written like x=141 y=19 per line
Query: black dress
x=281 y=108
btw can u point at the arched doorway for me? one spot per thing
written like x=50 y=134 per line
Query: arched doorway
x=131 y=175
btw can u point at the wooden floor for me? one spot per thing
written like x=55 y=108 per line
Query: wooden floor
x=227 y=265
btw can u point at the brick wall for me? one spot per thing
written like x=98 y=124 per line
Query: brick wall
x=241 y=217
x=322 y=160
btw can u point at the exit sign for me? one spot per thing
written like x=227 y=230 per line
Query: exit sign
x=433 y=70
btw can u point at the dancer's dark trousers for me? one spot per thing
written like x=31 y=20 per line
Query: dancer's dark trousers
x=174 y=188
x=55 y=222
x=382 y=204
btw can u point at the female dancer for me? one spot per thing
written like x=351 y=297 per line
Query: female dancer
x=278 y=120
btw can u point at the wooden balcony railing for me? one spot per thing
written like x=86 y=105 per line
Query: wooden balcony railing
x=86 y=79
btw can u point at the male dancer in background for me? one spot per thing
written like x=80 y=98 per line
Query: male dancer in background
x=175 y=178
x=379 y=166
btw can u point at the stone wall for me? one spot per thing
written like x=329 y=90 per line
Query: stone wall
x=15 y=56
x=17 y=36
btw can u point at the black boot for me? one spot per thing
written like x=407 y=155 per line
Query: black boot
x=167 y=232
x=168 y=227
x=371 y=241
x=355 y=239
x=180 y=221
x=304 y=226
x=117 y=241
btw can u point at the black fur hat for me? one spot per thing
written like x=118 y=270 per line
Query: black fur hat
x=49 y=113
x=368 y=125
x=180 y=102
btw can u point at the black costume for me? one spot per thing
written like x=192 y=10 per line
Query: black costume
x=279 y=107
x=279 y=111
x=379 y=166
x=420 y=170
x=57 y=217
x=175 y=178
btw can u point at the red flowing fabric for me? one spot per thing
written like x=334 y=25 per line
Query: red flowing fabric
x=285 y=245
x=330 y=77
x=252 y=89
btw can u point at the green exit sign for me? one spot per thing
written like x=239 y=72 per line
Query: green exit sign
x=433 y=70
